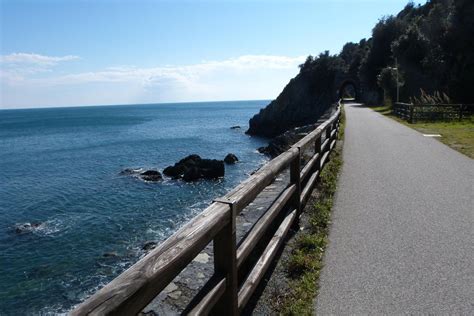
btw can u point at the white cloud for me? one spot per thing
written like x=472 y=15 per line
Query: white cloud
x=34 y=59
x=243 y=77
x=184 y=74
x=16 y=67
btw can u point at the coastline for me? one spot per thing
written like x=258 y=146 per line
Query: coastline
x=92 y=208
x=177 y=295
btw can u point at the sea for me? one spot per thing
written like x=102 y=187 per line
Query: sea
x=60 y=172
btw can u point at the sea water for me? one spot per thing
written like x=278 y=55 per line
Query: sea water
x=60 y=168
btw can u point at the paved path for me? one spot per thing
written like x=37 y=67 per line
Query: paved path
x=402 y=237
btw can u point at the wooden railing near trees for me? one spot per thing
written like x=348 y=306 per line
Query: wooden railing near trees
x=225 y=293
x=431 y=112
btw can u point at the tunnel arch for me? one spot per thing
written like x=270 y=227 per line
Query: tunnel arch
x=348 y=88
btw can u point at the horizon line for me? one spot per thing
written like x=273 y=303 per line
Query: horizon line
x=123 y=104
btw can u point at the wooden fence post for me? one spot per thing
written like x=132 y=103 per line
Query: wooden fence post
x=317 y=150
x=295 y=170
x=411 y=112
x=328 y=136
x=225 y=264
x=338 y=124
x=460 y=111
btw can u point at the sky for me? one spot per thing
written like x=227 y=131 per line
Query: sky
x=99 y=52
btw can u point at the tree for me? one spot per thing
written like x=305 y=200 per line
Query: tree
x=387 y=80
x=379 y=56
x=307 y=64
x=459 y=50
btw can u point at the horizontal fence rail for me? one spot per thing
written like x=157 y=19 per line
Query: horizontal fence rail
x=431 y=112
x=225 y=293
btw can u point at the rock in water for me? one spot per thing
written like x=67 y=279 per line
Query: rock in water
x=211 y=168
x=231 y=159
x=149 y=245
x=151 y=175
x=180 y=167
x=194 y=167
x=191 y=174
x=235 y=127
x=26 y=227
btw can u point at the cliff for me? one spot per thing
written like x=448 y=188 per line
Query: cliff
x=304 y=99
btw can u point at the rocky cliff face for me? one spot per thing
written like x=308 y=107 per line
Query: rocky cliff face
x=300 y=103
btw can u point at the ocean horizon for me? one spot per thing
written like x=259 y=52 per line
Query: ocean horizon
x=61 y=173
x=128 y=104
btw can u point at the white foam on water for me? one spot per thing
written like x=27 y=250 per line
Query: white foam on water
x=50 y=227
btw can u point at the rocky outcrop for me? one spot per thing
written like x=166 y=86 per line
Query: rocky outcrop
x=284 y=141
x=231 y=159
x=300 y=103
x=151 y=175
x=194 y=168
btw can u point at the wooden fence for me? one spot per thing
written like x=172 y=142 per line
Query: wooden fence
x=432 y=112
x=225 y=293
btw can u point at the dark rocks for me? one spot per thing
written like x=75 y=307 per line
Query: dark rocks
x=235 y=127
x=26 y=227
x=110 y=254
x=151 y=175
x=189 y=169
x=191 y=174
x=180 y=167
x=231 y=159
x=264 y=150
x=147 y=175
x=284 y=141
x=211 y=168
x=194 y=167
x=149 y=245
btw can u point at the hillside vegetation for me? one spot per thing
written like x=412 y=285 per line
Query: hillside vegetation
x=432 y=45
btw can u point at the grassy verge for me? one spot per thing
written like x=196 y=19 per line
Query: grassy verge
x=305 y=262
x=458 y=135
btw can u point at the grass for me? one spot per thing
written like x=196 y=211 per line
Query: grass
x=459 y=135
x=306 y=260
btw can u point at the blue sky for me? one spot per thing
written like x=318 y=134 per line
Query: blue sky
x=69 y=53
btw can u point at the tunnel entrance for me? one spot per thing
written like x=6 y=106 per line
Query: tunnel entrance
x=348 y=90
